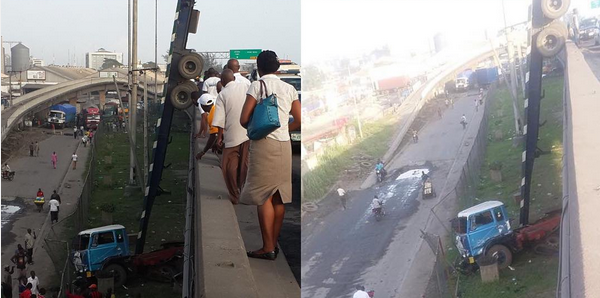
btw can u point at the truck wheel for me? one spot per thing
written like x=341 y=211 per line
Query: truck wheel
x=118 y=272
x=551 y=40
x=554 y=9
x=502 y=254
x=190 y=65
x=181 y=96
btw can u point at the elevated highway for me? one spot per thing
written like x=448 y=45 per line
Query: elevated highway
x=68 y=91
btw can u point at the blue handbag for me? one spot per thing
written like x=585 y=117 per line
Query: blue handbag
x=265 y=118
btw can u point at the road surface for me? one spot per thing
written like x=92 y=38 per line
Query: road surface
x=592 y=57
x=33 y=173
x=347 y=247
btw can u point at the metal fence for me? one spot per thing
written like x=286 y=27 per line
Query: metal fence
x=457 y=189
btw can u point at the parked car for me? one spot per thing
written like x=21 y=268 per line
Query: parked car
x=589 y=29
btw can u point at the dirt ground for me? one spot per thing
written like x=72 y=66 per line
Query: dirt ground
x=16 y=143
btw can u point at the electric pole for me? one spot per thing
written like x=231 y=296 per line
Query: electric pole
x=133 y=101
x=145 y=178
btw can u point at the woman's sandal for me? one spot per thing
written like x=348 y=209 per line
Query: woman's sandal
x=265 y=256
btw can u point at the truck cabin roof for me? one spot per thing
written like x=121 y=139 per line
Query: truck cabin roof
x=479 y=208
x=101 y=229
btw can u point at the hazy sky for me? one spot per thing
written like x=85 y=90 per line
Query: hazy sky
x=358 y=26
x=53 y=28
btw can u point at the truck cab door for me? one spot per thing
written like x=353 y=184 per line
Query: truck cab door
x=103 y=246
x=482 y=228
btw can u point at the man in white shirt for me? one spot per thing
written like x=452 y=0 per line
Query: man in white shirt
x=74 y=159
x=342 y=195
x=54 y=208
x=234 y=65
x=232 y=135
x=35 y=282
x=210 y=83
x=360 y=293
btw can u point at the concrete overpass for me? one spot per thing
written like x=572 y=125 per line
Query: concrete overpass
x=42 y=99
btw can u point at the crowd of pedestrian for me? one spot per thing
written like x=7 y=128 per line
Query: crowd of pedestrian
x=256 y=171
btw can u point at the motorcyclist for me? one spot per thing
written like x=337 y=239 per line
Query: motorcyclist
x=377 y=205
x=5 y=169
x=424 y=177
x=379 y=169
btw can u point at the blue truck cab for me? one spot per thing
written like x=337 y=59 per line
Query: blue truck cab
x=480 y=227
x=93 y=247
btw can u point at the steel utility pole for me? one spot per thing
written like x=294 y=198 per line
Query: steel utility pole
x=521 y=66
x=145 y=179
x=133 y=101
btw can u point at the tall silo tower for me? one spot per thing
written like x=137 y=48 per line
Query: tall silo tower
x=19 y=57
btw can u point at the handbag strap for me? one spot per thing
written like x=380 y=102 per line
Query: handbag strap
x=262 y=83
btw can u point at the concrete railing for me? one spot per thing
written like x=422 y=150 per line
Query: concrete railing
x=579 y=244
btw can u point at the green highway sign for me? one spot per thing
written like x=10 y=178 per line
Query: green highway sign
x=244 y=54
x=595 y=4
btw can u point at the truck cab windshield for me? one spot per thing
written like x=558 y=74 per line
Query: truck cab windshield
x=56 y=115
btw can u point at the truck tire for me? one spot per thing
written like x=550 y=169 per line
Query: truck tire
x=190 y=65
x=502 y=254
x=181 y=96
x=554 y=9
x=119 y=274
x=551 y=40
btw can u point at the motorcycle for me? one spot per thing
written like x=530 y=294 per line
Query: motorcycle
x=378 y=212
x=380 y=175
x=6 y=175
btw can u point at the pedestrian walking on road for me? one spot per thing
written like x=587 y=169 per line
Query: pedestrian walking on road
x=269 y=180
x=342 y=194
x=476 y=105
x=452 y=102
x=37 y=149
x=35 y=282
x=84 y=140
x=54 y=208
x=31 y=149
x=447 y=102
x=54 y=159
x=75 y=132
x=234 y=163
x=19 y=259
x=439 y=112
x=81 y=131
x=415 y=136
x=74 y=159
x=55 y=196
x=39 y=200
x=29 y=243
x=7 y=282
x=463 y=121
x=210 y=83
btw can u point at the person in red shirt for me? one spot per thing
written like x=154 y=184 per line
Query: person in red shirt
x=94 y=292
x=72 y=295
x=27 y=292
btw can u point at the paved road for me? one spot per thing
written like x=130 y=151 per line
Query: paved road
x=348 y=247
x=290 y=232
x=592 y=57
x=33 y=173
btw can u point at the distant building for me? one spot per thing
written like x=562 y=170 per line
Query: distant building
x=37 y=62
x=439 y=41
x=96 y=59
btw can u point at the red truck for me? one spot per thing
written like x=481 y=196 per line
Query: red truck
x=91 y=116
